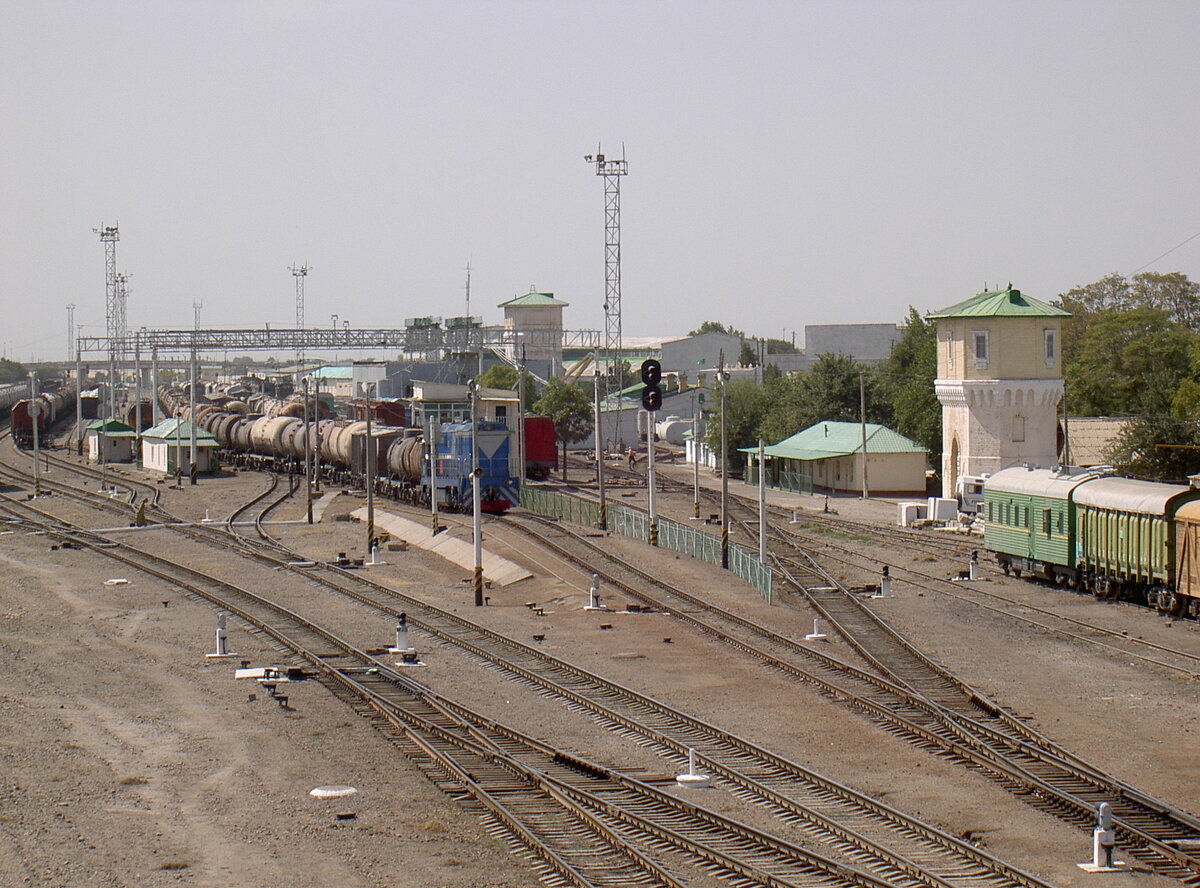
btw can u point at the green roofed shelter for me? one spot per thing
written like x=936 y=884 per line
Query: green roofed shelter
x=109 y=440
x=827 y=457
x=169 y=444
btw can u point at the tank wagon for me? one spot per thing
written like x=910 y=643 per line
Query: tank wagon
x=52 y=406
x=1115 y=537
x=10 y=394
x=397 y=456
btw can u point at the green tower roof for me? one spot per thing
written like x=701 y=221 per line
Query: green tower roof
x=533 y=299
x=1006 y=303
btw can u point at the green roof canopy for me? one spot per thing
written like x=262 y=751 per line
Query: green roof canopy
x=826 y=440
x=166 y=430
x=1000 y=304
x=533 y=299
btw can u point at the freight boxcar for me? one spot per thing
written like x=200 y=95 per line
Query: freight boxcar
x=1186 y=596
x=541 y=447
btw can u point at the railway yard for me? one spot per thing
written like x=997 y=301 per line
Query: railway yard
x=538 y=742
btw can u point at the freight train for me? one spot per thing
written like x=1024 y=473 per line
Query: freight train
x=10 y=394
x=53 y=405
x=397 y=456
x=1116 y=537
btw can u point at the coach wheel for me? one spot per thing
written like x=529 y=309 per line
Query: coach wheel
x=1193 y=607
x=1004 y=566
x=1157 y=599
x=1059 y=578
x=1016 y=572
x=1100 y=587
x=1171 y=603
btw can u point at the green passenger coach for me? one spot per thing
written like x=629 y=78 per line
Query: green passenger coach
x=1029 y=522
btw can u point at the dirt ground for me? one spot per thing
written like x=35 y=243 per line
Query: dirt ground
x=129 y=758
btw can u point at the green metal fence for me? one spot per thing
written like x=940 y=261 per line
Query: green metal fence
x=632 y=523
x=790 y=480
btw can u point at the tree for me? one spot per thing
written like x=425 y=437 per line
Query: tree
x=716 y=327
x=905 y=383
x=1159 y=448
x=744 y=407
x=781 y=347
x=502 y=376
x=1129 y=362
x=747 y=357
x=570 y=407
x=11 y=372
x=1173 y=294
x=829 y=391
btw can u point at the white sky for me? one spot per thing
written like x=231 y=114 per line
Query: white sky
x=790 y=163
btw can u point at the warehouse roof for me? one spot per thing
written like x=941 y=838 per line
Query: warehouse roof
x=533 y=299
x=830 y=439
x=999 y=304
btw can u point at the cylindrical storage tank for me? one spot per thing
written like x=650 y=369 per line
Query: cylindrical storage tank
x=406 y=458
x=279 y=427
x=260 y=442
x=223 y=429
x=239 y=435
x=292 y=408
x=147 y=416
x=328 y=431
x=343 y=442
x=296 y=440
x=672 y=430
x=239 y=407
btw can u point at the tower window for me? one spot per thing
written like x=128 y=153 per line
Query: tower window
x=1051 y=347
x=980 y=340
x=949 y=350
x=1018 y=428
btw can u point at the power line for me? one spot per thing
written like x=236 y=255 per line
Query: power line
x=1168 y=253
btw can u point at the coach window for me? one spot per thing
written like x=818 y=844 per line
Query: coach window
x=1051 y=347
x=980 y=340
x=1046 y=522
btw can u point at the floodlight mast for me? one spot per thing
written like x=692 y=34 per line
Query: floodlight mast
x=300 y=272
x=611 y=171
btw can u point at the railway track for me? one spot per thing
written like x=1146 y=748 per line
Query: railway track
x=861 y=831
x=1150 y=823
x=942 y=711
x=586 y=824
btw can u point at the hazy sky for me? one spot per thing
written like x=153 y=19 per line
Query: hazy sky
x=790 y=163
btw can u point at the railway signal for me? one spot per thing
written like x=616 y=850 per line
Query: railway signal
x=652 y=393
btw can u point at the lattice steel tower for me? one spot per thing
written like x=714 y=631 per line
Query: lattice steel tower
x=109 y=235
x=611 y=171
x=121 y=326
x=299 y=273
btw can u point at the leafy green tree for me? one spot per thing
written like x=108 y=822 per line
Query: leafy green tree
x=1129 y=363
x=781 y=347
x=570 y=406
x=716 y=327
x=1159 y=448
x=12 y=372
x=747 y=357
x=904 y=386
x=744 y=407
x=1173 y=294
x=502 y=376
x=829 y=391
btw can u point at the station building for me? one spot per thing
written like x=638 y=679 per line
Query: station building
x=827 y=458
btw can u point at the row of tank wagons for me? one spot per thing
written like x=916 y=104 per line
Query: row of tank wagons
x=10 y=394
x=1115 y=537
x=52 y=405
x=399 y=465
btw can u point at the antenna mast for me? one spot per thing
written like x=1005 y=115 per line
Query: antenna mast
x=109 y=235
x=611 y=171
x=71 y=331
x=299 y=273
x=468 y=288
